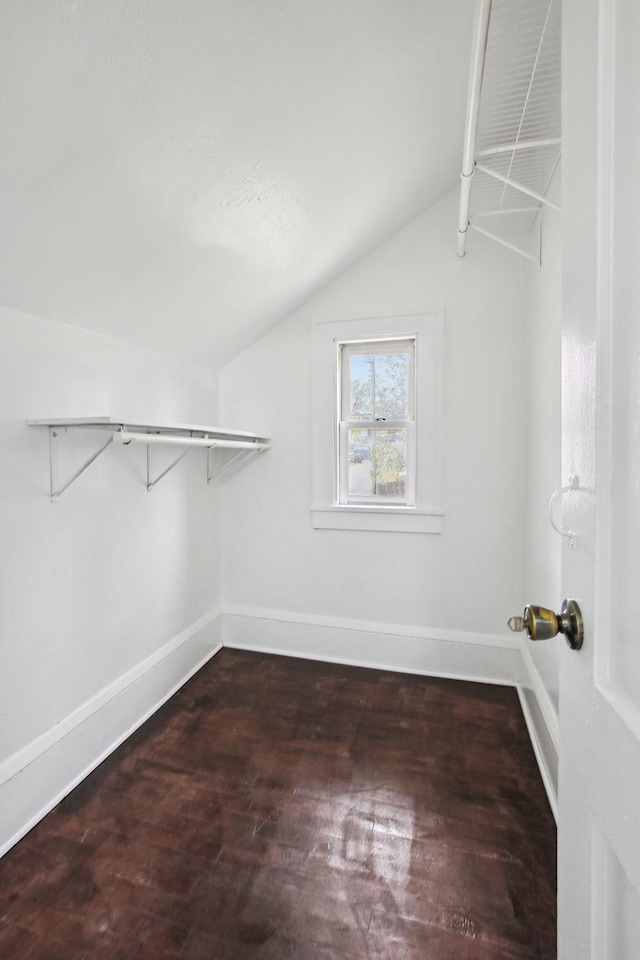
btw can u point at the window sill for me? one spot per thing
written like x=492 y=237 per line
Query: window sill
x=393 y=519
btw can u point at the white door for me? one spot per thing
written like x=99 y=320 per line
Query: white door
x=599 y=780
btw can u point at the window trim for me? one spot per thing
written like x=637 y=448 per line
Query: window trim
x=327 y=512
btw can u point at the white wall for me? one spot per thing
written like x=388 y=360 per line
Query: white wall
x=99 y=587
x=542 y=544
x=469 y=578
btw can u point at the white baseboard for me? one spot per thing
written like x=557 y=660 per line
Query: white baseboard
x=433 y=652
x=542 y=723
x=36 y=778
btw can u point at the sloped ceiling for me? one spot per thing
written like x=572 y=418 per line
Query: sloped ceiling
x=183 y=173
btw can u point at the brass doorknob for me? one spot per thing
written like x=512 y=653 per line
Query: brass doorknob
x=542 y=624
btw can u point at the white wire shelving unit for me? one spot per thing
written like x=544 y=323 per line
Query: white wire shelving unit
x=513 y=130
x=187 y=437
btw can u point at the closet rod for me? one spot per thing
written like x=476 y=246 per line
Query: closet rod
x=126 y=437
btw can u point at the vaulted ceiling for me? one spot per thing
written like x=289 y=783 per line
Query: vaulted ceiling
x=183 y=173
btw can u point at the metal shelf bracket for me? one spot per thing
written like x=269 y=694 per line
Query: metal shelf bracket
x=226 y=467
x=57 y=491
x=151 y=483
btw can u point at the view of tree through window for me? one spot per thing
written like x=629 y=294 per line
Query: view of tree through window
x=377 y=385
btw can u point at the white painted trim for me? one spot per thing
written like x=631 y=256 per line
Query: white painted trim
x=539 y=734
x=545 y=703
x=545 y=773
x=397 y=520
x=34 y=779
x=375 y=508
x=375 y=626
x=28 y=754
x=428 y=652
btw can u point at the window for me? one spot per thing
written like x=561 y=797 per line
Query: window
x=376 y=408
x=376 y=424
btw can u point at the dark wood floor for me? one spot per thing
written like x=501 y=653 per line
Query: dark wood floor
x=291 y=810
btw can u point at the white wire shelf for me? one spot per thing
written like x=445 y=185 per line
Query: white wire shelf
x=186 y=436
x=513 y=135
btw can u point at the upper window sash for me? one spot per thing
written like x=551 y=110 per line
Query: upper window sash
x=380 y=347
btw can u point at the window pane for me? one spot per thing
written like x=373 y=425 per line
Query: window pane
x=377 y=463
x=379 y=386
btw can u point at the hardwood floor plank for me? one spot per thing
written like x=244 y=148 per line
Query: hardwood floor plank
x=279 y=808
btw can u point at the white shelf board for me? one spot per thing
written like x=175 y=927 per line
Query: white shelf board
x=170 y=429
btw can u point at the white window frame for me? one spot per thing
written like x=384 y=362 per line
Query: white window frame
x=425 y=514
x=378 y=346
